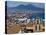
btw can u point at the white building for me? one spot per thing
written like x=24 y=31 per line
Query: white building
x=24 y=20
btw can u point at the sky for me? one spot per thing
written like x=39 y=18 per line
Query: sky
x=15 y=4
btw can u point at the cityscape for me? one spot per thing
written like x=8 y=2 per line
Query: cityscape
x=24 y=17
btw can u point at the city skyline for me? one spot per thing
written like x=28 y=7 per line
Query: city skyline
x=24 y=17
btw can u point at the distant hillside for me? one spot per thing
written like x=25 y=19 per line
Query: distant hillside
x=29 y=9
x=25 y=7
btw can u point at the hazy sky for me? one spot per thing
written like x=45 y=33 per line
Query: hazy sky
x=14 y=4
